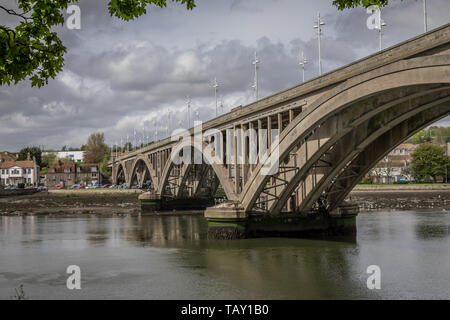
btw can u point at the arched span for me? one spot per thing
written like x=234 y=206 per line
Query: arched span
x=142 y=159
x=403 y=75
x=377 y=150
x=120 y=175
x=219 y=170
x=360 y=141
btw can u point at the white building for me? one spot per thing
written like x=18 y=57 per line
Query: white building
x=15 y=172
x=75 y=156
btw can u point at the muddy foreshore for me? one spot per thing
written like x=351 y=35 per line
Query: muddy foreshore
x=44 y=203
x=117 y=203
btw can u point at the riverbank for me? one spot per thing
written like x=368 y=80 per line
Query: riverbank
x=401 y=197
x=57 y=202
x=123 y=202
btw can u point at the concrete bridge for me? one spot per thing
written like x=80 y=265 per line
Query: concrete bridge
x=328 y=133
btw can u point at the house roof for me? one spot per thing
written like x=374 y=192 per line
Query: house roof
x=405 y=146
x=59 y=168
x=21 y=164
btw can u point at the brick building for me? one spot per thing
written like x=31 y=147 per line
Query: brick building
x=68 y=174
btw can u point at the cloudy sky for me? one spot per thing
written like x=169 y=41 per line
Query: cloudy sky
x=124 y=75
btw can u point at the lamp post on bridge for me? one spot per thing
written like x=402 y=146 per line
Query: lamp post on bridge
x=318 y=26
x=380 y=31
x=189 y=111
x=375 y=22
x=255 y=81
x=425 y=18
x=216 y=88
x=302 y=64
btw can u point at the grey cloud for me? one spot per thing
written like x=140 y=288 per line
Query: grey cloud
x=119 y=76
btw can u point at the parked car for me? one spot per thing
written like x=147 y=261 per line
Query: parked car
x=60 y=186
x=106 y=186
x=42 y=188
x=75 y=186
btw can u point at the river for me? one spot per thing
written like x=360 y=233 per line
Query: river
x=169 y=257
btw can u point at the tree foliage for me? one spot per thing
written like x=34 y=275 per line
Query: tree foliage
x=104 y=170
x=31 y=50
x=33 y=151
x=429 y=160
x=48 y=160
x=345 y=4
x=95 y=148
x=436 y=135
x=131 y=9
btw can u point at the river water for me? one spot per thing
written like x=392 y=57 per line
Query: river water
x=148 y=257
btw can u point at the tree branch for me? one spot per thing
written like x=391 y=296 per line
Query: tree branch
x=12 y=12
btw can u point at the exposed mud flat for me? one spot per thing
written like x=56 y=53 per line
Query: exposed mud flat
x=82 y=203
x=76 y=203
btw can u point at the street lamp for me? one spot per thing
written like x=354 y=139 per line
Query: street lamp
x=318 y=26
x=425 y=18
x=216 y=88
x=255 y=82
x=189 y=111
x=302 y=64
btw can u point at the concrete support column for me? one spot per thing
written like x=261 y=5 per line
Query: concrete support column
x=236 y=168
x=244 y=155
x=280 y=123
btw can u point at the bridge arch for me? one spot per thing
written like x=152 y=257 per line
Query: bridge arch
x=120 y=176
x=360 y=103
x=184 y=171
x=142 y=162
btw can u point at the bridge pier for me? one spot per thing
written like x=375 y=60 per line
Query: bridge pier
x=231 y=222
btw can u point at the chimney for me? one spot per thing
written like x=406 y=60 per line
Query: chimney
x=28 y=156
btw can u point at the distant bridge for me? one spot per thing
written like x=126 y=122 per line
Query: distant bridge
x=332 y=131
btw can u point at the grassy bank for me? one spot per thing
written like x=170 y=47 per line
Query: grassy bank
x=403 y=187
